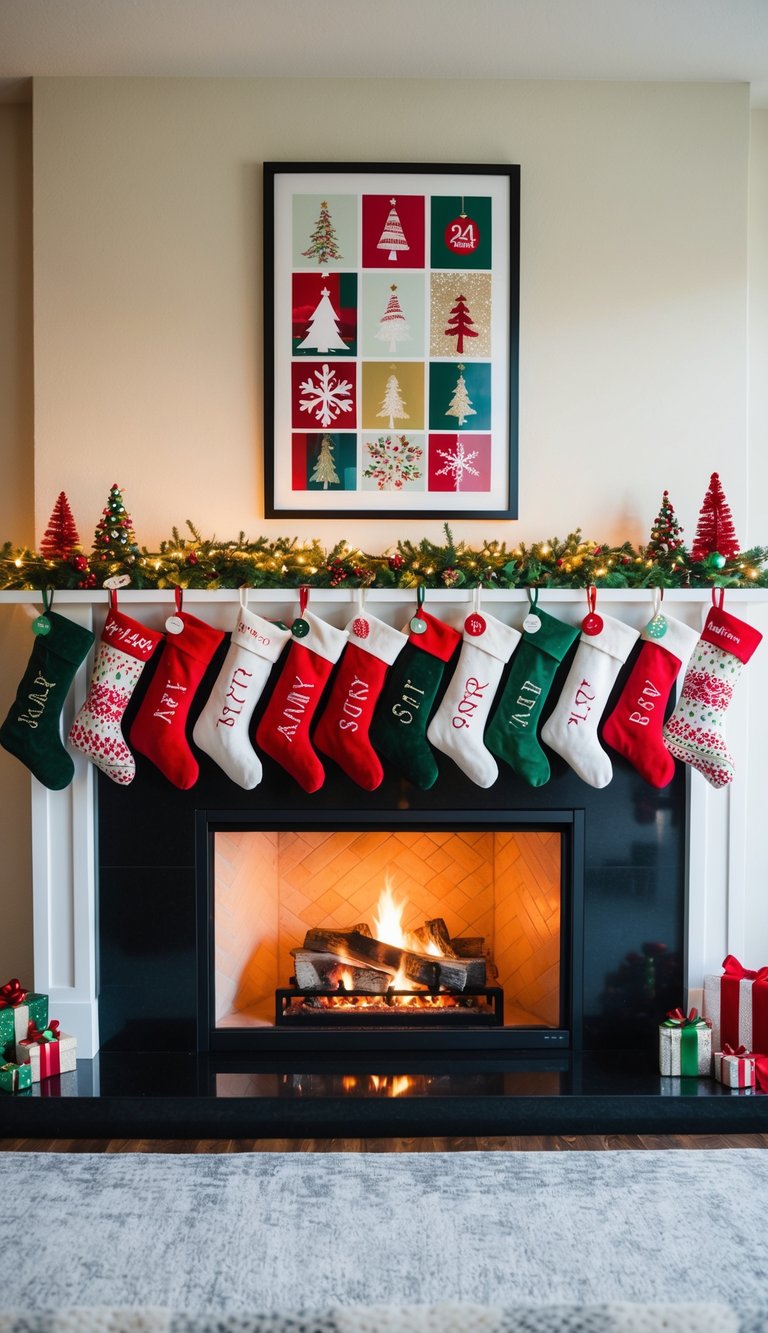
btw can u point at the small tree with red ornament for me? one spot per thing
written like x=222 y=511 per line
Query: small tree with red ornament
x=114 y=538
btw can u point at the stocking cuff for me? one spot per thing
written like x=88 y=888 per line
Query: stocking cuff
x=258 y=635
x=71 y=641
x=323 y=639
x=732 y=635
x=129 y=636
x=438 y=639
x=376 y=637
x=197 y=639
x=678 y=639
x=554 y=637
x=615 y=638
x=497 y=639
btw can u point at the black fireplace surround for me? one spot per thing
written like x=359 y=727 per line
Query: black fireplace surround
x=624 y=850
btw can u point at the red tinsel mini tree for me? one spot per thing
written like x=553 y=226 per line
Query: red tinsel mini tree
x=61 y=536
x=715 y=533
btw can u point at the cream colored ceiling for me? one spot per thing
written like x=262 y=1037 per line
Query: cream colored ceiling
x=686 y=40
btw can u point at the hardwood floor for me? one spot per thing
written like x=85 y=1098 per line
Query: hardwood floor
x=531 y=1143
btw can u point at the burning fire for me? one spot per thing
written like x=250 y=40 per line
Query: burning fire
x=386 y=1085
x=388 y=927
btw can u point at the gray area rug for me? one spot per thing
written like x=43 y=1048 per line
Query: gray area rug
x=268 y=1232
x=443 y=1318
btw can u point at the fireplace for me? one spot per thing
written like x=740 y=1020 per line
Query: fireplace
x=442 y=929
x=620 y=855
x=117 y=883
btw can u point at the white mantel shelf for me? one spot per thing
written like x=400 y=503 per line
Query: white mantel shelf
x=63 y=823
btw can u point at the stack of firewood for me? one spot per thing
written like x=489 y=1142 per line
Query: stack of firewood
x=352 y=960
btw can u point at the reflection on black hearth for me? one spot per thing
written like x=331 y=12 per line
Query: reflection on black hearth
x=640 y=991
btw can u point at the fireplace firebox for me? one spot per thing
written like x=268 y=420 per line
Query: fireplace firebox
x=442 y=931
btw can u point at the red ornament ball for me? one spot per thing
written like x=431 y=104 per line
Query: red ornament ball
x=192 y=558
x=395 y=562
x=79 y=562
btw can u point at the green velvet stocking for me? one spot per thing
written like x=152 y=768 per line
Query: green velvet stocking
x=31 y=730
x=511 y=733
x=399 y=728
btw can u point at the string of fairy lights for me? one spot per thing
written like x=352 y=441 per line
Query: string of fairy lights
x=191 y=560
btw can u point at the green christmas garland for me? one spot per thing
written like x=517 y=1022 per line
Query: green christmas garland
x=195 y=561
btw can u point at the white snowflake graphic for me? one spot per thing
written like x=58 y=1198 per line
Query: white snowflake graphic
x=458 y=463
x=328 y=398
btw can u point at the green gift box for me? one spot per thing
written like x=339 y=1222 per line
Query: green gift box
x=19 y=1008
x=15 y=1078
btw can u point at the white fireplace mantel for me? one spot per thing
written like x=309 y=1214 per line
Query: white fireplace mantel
x=63 y=823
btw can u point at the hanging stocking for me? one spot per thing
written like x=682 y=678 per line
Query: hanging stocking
x=283 y=732
x=124 y=647
x=399 y=730
x=342 y=732
x=222 y=729
x=458 y=725
x=571 y=730
x=634 y=728
x=159 y=728
x=695 y=732
x=31 y=730
x=511 y=735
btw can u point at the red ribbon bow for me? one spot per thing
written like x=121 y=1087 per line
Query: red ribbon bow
x=678 y=1016
x=733 y=968
x=12 y=993
x=739 y=1051
x=50 y=1033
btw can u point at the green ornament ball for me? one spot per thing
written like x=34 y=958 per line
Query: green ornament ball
x=715 y=560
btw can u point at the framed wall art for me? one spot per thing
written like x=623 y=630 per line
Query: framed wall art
x=391 y=340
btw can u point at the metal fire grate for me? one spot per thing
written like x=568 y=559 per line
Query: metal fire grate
x=476 y=1007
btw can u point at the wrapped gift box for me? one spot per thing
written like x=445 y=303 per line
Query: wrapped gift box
x=15 y=1078
x=47 y=1053
x=19 y=1008
x=736 y=1069
x=736 y=1005
x=685 y=1045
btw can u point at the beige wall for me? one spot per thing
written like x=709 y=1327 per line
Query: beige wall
x=147 y=235
x=147 y=288
x=16 y=516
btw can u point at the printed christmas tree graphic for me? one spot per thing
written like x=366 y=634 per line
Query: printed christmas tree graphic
x=461 y=403
x=393 y=327
x=458 y=463
x=324 y=470
x=323 y=332
x=715 y=533
x=393 y=237
x=114 y=537
x=393 y=406
x=61 y=536
x=460 y=324
x=326 y=398
x=393 y=462
x=323 y=243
